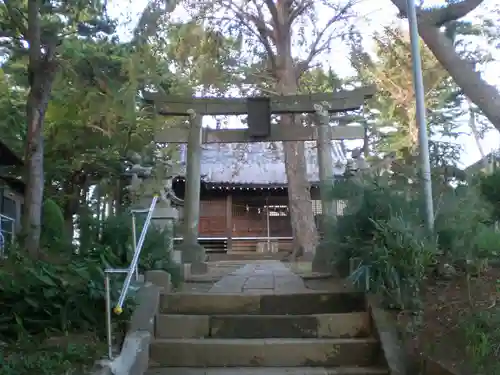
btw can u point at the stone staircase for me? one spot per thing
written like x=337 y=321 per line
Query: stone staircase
x=307 y=333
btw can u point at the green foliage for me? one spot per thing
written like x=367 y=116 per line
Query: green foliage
x=39 y=297
x=481 y=330
x=462 y=219
x=391 y=115
x=53 y=233
x=114 y=234
x=382 y=230
x=30 y=357
x=63 y=293
x=490 y=189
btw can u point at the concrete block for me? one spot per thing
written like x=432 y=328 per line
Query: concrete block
x=270 y=371
x=134 y=357
x=148 y=302
x=177 y=256
x=159 y=278
x=182 y=326
x=209 y=303
x=263 y=326
x=344 y=325
x=259 y=282
x=167 y=213
x=264 y=352
x=312 y=303
x=199 y=268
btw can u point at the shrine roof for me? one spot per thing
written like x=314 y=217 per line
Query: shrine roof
x=260 y=163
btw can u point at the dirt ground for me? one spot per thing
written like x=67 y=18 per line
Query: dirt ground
x=438 y=333
x=448 y=305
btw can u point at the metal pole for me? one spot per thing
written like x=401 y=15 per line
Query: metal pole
x=418 y=85
x=135 y=259
x=267 y=226
x=134 y=238
x=107 y=289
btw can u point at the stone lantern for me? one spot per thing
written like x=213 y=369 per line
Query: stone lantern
x=146 y=182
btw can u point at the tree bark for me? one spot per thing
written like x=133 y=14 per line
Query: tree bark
x=36 y=107
x=482 y=94
x=299 y=196
x=41 y=73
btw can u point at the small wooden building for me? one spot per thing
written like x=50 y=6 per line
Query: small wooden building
x=244 y=197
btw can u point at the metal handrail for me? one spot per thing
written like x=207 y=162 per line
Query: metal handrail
x=2 y=230
x=133 y=264
x=133 y=269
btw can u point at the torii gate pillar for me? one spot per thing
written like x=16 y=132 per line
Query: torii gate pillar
x=192 y=251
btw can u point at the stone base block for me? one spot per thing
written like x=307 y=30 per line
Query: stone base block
x=199 y=268
x=177 y=256
x=159 y=278
x=192 y=253
x=265 y=352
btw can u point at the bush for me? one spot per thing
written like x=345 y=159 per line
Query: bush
x=65 y=292
x=382 y=230
x=489 y=186
x=481 y=330
x=114 y=234
x=36 y=358
x=39 y=297
x=53 y=235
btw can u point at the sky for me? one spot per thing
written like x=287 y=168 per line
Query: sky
x=373 y=16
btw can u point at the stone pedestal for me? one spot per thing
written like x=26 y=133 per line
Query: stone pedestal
x=164 y=218
x=159 y=278
x=323 y=260
x=192 y=253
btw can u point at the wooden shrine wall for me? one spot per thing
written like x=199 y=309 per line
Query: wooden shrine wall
x=240 y=217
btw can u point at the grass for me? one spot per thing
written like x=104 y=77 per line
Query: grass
x=62 y=355
x=460 y=326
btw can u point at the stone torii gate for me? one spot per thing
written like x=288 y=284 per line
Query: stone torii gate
x=260 y=129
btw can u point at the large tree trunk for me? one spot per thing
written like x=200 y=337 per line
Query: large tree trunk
x=41 y=73
x=35 y=109
x=482 y=94
x=299 y=196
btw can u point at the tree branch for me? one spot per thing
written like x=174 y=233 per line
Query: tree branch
x=263 y=34
x=33 y=33
x=299 y=9
x=316 y=48
x=15 y=16
x=440 y=15
x=273 y=10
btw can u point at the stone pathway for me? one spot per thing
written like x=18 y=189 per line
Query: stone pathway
x=260 y=277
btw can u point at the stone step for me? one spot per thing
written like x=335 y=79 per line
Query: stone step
x=268 y=371
x=264 y=326
x=305 y=303
x=265 y=352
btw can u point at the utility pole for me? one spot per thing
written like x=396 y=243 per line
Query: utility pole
x=418 y=84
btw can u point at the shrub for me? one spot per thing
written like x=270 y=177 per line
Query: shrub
x=65 y=292
x=39 y=297
x=382 y=230
x=53 y=231
x=31 y=357
x=481 y=330
x=489 y=186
